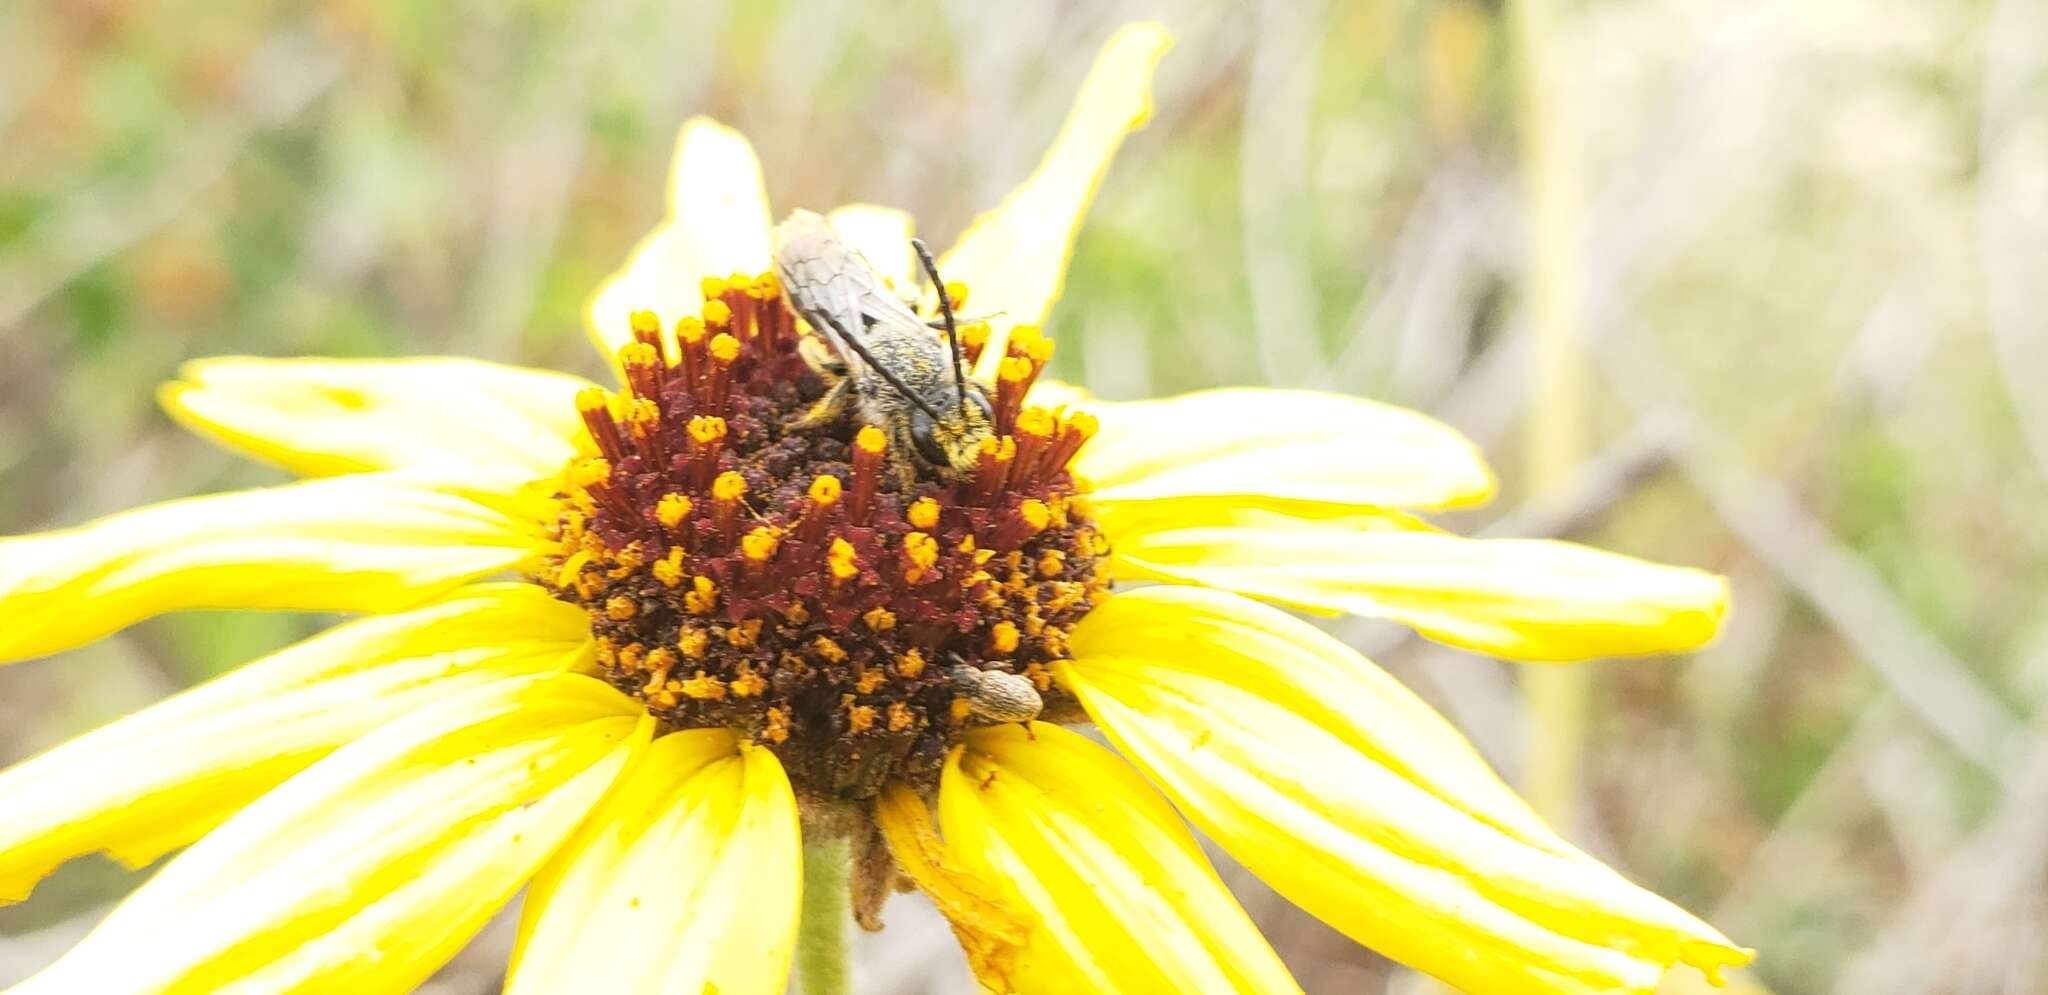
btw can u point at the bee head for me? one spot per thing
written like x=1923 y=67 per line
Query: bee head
x=951 y=442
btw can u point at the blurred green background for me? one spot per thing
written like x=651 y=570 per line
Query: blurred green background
x=1808 y=238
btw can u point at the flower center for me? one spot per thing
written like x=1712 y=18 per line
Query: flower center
x=851 y=608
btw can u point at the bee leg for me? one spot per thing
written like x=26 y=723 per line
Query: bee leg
x=900 y=463
x=829 y=408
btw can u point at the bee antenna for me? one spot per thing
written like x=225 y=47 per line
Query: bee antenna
x=853 y=342
x=931 y=269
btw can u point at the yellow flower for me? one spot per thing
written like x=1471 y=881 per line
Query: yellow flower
x=734 y=633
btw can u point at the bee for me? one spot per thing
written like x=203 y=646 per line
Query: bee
x=883 y=359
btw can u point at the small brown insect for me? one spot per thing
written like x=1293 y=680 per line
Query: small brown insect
x=883 y=358
x=997 y=696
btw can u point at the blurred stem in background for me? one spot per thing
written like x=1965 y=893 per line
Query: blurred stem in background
x=1556 y=441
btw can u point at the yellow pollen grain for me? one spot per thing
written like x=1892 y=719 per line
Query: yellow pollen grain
x=729 y=486
x=1002 y=638
x=861 y=719
x=956 y=293
x=1084 y=423
x=671 y=510
x=632 y=657
x=607 y=651
x=646 y=322
x=921 y=550
x=960 y=710
x=923 y=514
x=796 y=613
x=706 y=429
x=760 y=544
x=974 y=336
x=717 y=312
x=591 y=400
x=712 y=287
x=660 y=660
x=840 y=560
x=591 y=471
x=967 y=543
x=910 y=664
x=828 y=650
x=638 y=353
x=621 y=608
x=900 y=717
x=1035 y=421
x=1052 y=563
x=1023 y=337
x=880 y=619
x=690 y=330
x=693 y=643
x=1040 y=351
x=825 y=490
x=745 y=635
x=571 y=567
x=702 y=688
x=1041 y=678
x=669 y=569
x=748 y=684
x=870 y=680
x=870 y=440
x=776 y=729
x=1014 y=369
x=724 y=348
x=703 y=596
x=1035 y=514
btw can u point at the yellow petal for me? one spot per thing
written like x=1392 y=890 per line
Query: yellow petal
x=882 y=234
x=717 y=225
x=687 y=879
x=325 y=416
x=159 y=779
x=1352 y=799
x=1126 y=899
x=1014 y=258
x=371 y=868
x=1526 y=599
x=362 y=542
x=1281 y=445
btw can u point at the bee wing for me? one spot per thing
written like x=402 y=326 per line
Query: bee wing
x=832 y=285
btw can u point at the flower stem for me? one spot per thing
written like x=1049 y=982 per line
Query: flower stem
x=1556 y=697
x=824 y=953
